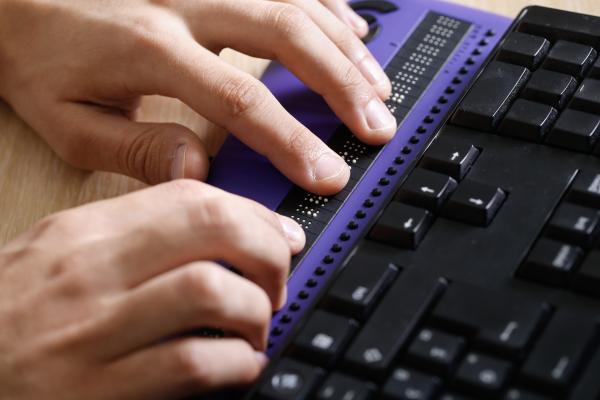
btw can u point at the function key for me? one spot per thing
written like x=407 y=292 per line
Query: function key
x=436 y=351
x=360 y=284
x=528 y=120
x=549 y=87
x=402 y=225
x=570 y=58
x=289 y=379
x=483 y=374
x=587 y=98
x=587 y=279
x=408 y=384
x=575 y=224
x=551 y=262
x=450 y=158
x=475 y=203
x=556 y=358
x=586 y=189
x=524 y=49
x=498 y=321
x=520 y=394
x=426 y=189
x=323 y=337
x=342 y=387
x=490 y=97
x=575 y=130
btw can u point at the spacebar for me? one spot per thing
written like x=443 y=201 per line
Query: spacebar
x=390 y=326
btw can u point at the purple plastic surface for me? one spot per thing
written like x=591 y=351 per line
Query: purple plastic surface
x=239 y=170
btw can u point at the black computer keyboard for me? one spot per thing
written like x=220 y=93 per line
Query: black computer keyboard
x=481 y=277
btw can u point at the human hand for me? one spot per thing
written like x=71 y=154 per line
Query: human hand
x=75 y=71
x=98 y=302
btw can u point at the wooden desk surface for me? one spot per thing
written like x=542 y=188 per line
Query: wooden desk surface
x=35 y=183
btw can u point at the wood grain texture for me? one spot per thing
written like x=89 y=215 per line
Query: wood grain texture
x=35 y=183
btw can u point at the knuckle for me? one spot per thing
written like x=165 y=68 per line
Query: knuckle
x=187 y=189
x=140 y=157
x=289 y=20
x=188 y=362
x=222 y=216
x=203 y=284
x=350 y=80
x=300 y=143
x=66 y=223
x=241 y=95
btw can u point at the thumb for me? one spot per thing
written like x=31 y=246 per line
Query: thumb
x=150 y=152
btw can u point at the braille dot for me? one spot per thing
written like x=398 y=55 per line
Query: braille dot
x=327 y=259
x=442 y=100
x=476 y=52
x=463 y=71
x=450 y=90
x=483 y=42
x=456 y=80
x=414 y=140
x=376 y=192
x=320 y=271
x=344 y=237
x=352 y=225
x=436 y=110
x=391 y=171
x=270 y=345
x=399 y=160
x=303 y=295
x=360 y=214
x=490 y=33
x=470 y=61
x=294 y=307
x=311 y=283
x=277 y=331
x=285 y=319
x=368 y=203
x=406 y=150
x=384 y=181
x=421 y=129
x=428 y=119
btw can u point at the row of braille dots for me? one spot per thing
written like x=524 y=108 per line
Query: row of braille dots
x=287 y=317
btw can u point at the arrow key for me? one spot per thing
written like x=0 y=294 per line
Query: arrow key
x=450 y=158
x=475 y=203
x=426 y=189
x=402 y=225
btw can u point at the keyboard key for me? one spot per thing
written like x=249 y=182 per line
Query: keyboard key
x=450 y=158
x=558 y=24
x=555 y=359
x=381 y=6
x=483 y=374
x=520 y=394
x=524 y=49
x=587 y=279
x=551 y=262
x=436 y=351
x=595 y=72
x=575 y=130
x=549 y=87
x=490 y=97
x=360 y=284
x=587 y=98
x=499 y=322
x=289 y=380
x=571 y=58
x=390 y=326
x=528 y=120
x=402 y=225
x=323 y=337
x=588 y=384
x=426 y=189
x=475 y=203
x=454 y=396
x=405 y=384
x=586 y=189
x=343 y=387
x=575 y=224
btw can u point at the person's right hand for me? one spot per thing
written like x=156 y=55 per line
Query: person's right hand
x=98 y=302
x=75 y=71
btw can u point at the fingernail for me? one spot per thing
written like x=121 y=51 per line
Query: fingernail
x=379 y=117
x=373 y=72
x=261 y=358
x=178 y=165
x=357 y=22
x=329 y=166
x=292 y=230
